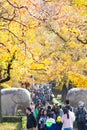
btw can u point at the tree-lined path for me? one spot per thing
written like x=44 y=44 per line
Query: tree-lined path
x=45 y=39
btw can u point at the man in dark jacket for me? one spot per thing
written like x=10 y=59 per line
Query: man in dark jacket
x=31 y=121
x=67 y=105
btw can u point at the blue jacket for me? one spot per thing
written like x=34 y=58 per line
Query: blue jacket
x=53 y=127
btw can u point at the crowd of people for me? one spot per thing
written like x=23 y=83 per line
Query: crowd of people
x=42 y=92
x=55 y=117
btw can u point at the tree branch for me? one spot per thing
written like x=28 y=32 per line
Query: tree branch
x=26 y=8
x=51 y=29
x=8 y=69
x=84 y=42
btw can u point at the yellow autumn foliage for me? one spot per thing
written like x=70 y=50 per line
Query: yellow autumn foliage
x=48 y=39
x=78 y=80
x=73 y=45
x=37 y=66
x=4 y=85
x=80 y=2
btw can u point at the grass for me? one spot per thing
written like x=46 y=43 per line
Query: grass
x=13 y=126
x=24 y=119
x=10 y=126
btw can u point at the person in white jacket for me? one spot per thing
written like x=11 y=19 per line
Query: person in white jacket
x=68 y=119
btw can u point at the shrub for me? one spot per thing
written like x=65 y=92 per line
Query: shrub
x=23 y=123
x=11 y=119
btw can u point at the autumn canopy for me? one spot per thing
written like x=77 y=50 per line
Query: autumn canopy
x=44 y=38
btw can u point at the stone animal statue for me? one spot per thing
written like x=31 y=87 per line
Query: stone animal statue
x=75 y=95
x=13 y=99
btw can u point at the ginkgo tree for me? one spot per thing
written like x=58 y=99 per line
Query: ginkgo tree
x=48 y=39
x=23 y=32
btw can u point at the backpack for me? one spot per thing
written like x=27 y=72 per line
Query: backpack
x=59 y=119
x=41 y=123
x=81 y=114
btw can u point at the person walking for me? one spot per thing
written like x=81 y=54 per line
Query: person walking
x=51 y=124
x=68 y=119
x=86 y=121
x=32 y=106
x=42 y=120
x=81 y=116
x=59 y=122
x=31 y=121
x=67 y=105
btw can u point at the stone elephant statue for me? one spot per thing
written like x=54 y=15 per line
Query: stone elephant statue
x=13 y=99
x=75 y=95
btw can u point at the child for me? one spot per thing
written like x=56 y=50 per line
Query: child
x=51 y=124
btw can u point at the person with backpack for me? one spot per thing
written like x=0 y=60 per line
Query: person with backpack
x=42 y=120
x=80 y=116
x=51 y=123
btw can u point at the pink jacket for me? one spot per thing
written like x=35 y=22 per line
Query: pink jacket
x=68 y=123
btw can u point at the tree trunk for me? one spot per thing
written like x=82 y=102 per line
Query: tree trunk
x=64 y=93
x=0 y=106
